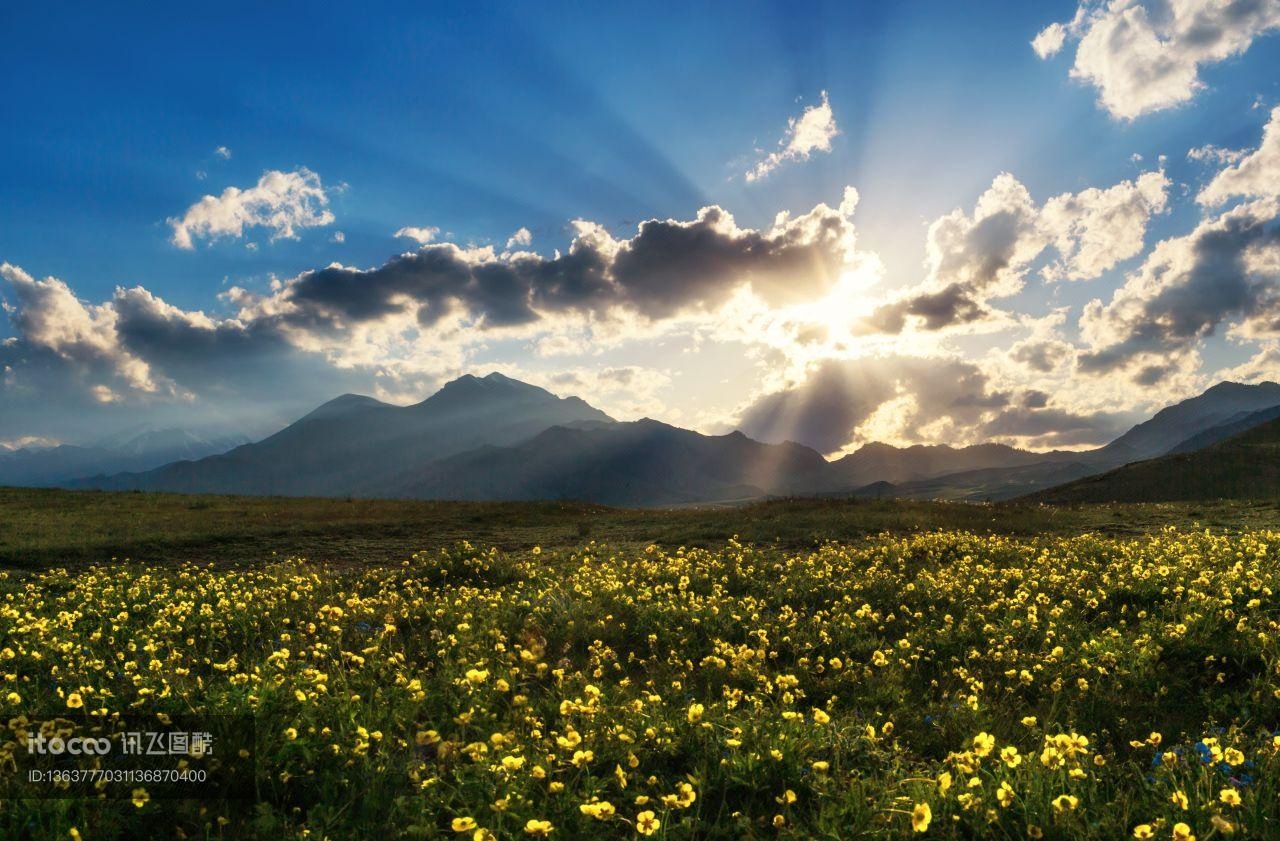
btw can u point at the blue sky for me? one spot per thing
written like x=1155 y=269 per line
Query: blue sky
x=482 y=119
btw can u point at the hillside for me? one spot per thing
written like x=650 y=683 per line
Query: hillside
x=878 y=462
x=984 y=484
x=642 y=463
x=1244 y=467
x=1229 y=429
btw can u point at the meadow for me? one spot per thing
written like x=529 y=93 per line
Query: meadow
x=1093 y=673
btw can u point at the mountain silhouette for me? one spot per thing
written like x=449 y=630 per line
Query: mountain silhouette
x=356 y=445
x=1174 y=424
x=494 y=437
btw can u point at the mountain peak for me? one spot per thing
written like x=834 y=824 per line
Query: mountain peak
x=1233 y=387
x=494 y=390
x=491 y=385
x=1176 y=423
x=343 y=405
x=496 y=377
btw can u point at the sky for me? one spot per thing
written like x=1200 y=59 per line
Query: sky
x=924 y=222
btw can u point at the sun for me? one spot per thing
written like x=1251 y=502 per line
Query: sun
x=849 y=300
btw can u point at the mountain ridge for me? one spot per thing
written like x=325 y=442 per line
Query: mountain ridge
x=138 y=448
x=354 y=445
x=494 y=437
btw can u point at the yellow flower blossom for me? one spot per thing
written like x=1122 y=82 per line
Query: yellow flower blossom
x=647 y=823
x=921 y=817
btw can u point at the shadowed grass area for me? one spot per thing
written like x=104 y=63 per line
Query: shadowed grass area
x=40 y=527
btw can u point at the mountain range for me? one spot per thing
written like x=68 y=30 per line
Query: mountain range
x=358 y=446
x=495 y=437
x=1218 y=413
x=135 y=449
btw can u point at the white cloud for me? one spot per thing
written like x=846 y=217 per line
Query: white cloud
x=1050 y=40
x=422 y=235
x=1263 y=365
x=50 y=317
x=908 y=398
x=1223 y=273
x=1095 y=229
x=281 y=202
x=1146 y=55
x=23 y=442
x=811 y=132
x=626 y=392
x=1252 y=175
x=104 y=394
x=524 y=236
x=223 y=152
x=971 y=259
x=338 y=236
x=991 y=248
x=1209 y=153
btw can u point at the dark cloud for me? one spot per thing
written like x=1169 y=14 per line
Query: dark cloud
x=822 y=412
x=1040 y=355
x=188 y=347
x=1225 y=270
x=668 y=266
x=1051 y=427
x=1035 y=400
x=954 y=304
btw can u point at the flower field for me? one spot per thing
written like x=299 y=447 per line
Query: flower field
x=937 y=685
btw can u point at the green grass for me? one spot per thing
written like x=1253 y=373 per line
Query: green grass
x=39 y=528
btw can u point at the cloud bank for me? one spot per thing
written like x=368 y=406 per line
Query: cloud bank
x=412 y=319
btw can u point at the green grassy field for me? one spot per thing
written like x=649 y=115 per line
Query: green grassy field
x=43 y=527
x=842 y=670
